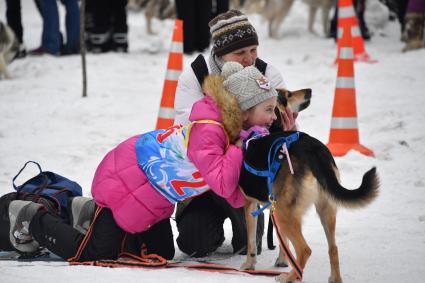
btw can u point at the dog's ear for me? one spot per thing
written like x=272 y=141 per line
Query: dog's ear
x=282 y=97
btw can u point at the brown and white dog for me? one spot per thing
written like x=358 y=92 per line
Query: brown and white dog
x=315 y=181
x=160 y=9
x=9 y=46
x=275 y=11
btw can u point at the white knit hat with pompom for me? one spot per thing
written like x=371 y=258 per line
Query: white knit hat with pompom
x=247 y=84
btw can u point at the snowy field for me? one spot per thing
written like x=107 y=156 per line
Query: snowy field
x=44 y=118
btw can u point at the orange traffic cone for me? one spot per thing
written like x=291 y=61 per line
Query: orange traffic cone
x=347 y=19
x=174 y=69
x=344 y=134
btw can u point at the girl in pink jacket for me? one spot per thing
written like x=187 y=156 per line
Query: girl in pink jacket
x=138 y=183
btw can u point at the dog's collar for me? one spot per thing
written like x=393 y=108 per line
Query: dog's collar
x=274 y=160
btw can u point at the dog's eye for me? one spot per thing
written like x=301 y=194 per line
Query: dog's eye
x=289 y=94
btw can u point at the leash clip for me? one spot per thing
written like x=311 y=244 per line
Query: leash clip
x=273 y=204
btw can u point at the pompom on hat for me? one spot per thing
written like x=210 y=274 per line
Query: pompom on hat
x=231 y=31
x=247 y=84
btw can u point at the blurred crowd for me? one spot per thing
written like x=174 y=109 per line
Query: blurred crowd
x=106 y=26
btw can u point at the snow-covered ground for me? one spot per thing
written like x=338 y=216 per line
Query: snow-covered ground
x=44 y=118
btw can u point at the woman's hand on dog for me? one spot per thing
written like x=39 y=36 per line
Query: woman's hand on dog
x=288 y=119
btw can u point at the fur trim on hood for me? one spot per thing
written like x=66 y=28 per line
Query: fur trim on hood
x=230 y=111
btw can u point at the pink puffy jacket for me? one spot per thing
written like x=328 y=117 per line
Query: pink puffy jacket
x=120 y=185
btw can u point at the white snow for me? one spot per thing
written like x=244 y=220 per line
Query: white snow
x=44 y=118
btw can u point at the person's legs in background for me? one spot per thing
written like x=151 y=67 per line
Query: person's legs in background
x=72 y=24
x=51 y=37
x=202 y=18
x=186 y=11
x=14 y=20
x=359 y=8
x=99 y=38
x=119 y=26
x=219 y=7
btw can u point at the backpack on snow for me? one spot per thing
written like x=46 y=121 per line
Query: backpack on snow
x=51 y=190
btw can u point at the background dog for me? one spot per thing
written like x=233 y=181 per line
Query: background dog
x=315 y=181
x=160 y=9
x=275 y=12
x=9 y=46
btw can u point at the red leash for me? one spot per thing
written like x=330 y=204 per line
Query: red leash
x=156 y=261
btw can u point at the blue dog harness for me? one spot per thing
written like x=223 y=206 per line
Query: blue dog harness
x=274 y=161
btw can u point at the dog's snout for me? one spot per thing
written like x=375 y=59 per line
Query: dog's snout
x=308 y=93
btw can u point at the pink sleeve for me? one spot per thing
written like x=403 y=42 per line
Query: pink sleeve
x=219 y=167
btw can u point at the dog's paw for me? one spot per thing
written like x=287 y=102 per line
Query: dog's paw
x=286 y=277
x=281 y=262
x=282 y=278
x=334 y=280
x=249 y=264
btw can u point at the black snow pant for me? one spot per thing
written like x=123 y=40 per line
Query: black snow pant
x=195 y=15
x=359 y=7
x=221 y=6
x=13 y=15
x=106 y=26
x=200 y=226
x=105 y=242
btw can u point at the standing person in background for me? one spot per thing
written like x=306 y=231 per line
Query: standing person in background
x=52 y=41
x=106 y=28
x=359 y=8
x=200 y=220
x=414 y=25
x=14 y=20
x=195 y=15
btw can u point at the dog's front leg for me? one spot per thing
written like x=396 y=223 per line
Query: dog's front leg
x=3 y=68
x=251 y=233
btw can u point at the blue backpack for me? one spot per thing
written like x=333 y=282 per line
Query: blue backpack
x=51 y=190
x=50 y=185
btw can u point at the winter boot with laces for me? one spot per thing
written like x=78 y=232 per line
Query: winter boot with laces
x=20 y=215
x=82 y=210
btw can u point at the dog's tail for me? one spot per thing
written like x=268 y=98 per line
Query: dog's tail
x=356 y=198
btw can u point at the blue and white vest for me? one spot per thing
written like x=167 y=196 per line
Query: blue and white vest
x=162 y=155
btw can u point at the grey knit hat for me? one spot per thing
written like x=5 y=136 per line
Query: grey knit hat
x=231 y=31
x=247 y=84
